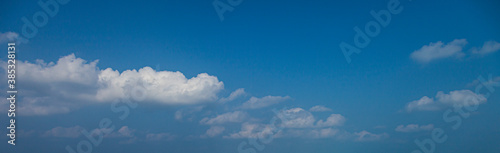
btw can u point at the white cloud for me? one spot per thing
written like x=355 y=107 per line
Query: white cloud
x=488 y=47
x=51 y=88
x=254 y=102
x=235 y=94
x=214 y=131
x=8 y=37
x=367 y=136
x=439 y=50
x=231 y=117
x=414 y=128
x=62 y=132
x=442 y=100
x=319 y=108
x=332 y=120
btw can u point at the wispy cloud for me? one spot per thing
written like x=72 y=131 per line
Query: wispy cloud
x=414 y=128
x=231 y=117
x=64 y=132
x=319 y=108
x=255 y=103
x=235 y=94
x=488 y=47
x=442 y=100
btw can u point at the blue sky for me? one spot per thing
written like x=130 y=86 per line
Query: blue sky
x=211 y=84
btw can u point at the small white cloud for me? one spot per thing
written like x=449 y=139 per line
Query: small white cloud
x=488 y=47
x=442 y=100
x=255 y=102
x=125 y=131
x=62 y=132
x=414 y=128
x=214 y=131
x=319 y=108
x=332 y=120
x=296 y=118
x=439 y=50
x=235 y=94
x=8 y=37
x=231 y=117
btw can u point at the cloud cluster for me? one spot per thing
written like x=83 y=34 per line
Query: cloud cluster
x=71 y=82
x=439 y=50
x=296 y=122
x=442 y=100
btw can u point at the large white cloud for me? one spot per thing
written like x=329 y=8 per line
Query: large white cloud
x=71 y=82
x=439 y=50
x=442 y=100
x=164 y=86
